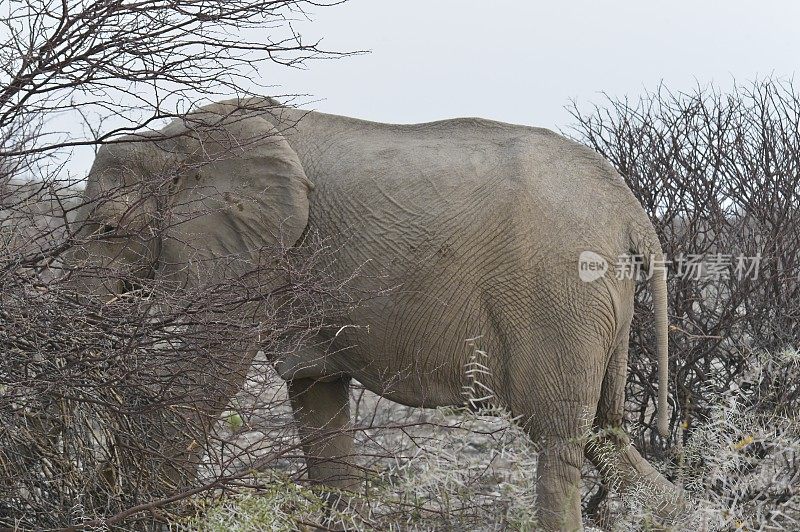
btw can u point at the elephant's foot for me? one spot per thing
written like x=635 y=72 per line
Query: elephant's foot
x=346 y=511
x=661 y=496
x=626 y=472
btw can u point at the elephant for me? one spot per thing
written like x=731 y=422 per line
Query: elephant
x=469 y=231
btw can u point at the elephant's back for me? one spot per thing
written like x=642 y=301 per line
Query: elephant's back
x=468 y=174
x=505 y=163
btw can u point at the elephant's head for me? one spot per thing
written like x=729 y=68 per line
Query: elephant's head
x=210 y=190
x=211 y=193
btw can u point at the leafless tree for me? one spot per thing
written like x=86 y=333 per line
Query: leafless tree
x=87 y=387
x=719 y=174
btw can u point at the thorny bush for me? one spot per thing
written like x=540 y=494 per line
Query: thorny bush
x=719 y=174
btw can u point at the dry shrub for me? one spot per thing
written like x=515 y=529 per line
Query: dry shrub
x=94 y=392
x=719 y=174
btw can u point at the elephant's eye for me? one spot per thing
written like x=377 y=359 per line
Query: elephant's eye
x=106 y=229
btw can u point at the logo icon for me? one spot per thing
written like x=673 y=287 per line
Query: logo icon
x=591 y=266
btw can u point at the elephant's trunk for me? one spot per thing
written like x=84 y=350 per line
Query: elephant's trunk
x=658 y=285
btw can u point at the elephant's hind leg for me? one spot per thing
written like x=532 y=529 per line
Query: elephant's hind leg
x=563 y=409
x=624 y=470
x=322 y=412
x=558 y=495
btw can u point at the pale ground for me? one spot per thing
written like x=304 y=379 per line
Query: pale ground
x=466 y=471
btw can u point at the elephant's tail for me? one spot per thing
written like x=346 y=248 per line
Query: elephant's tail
x=653 y=258
x=658 y=287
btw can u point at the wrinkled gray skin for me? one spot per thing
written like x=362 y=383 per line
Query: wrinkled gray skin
x=477 y=224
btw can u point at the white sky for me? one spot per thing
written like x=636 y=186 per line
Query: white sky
x=522 y=61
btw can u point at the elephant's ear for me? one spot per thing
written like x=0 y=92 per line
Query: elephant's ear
x=241 y=188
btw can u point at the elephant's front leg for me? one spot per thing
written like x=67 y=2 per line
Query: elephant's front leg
x=322 y=412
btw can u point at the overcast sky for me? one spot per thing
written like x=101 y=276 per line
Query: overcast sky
x=522 y=61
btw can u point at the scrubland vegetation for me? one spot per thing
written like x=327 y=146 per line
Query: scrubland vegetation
x=83 y=387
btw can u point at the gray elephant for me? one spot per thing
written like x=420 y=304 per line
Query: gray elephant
x=477 y=225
